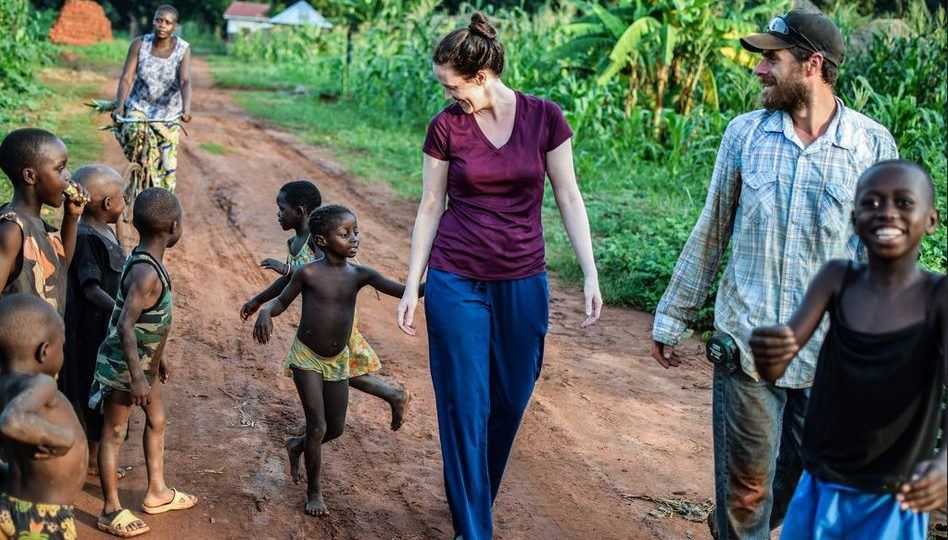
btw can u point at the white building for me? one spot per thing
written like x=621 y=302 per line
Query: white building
x=301 y=13
x=252 y=16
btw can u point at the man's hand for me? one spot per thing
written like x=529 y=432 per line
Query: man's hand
x=664 y=354
x=927 y=490
x=186 y=117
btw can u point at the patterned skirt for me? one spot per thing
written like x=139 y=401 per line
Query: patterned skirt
x=152 y=149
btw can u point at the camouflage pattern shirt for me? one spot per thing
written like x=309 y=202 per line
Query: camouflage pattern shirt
x=111 y=371
x=41 y=268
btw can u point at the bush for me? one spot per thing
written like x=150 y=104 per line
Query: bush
x=23 y=48
x=643 y=191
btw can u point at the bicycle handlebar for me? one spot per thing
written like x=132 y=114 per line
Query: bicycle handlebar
x=131 y=120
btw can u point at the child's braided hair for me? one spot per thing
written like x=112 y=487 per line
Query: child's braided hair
x=323 y=219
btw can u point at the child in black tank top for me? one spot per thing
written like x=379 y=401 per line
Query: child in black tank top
x=871 y=467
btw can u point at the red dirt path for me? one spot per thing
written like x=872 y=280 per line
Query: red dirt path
x=606 y=423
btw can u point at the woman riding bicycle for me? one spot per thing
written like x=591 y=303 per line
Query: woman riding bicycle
x=153 y=93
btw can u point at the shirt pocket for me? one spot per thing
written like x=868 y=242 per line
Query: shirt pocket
x=836 y=204
x=758 y=197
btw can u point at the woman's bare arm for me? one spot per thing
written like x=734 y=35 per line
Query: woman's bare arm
x=127 y=77
x=559 y=167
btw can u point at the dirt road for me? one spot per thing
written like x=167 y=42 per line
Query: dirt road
x=606 y=423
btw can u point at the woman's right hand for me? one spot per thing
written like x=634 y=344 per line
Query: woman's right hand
x=405 y=313
x=118 y=112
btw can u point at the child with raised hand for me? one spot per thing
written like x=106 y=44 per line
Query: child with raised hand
x=39 y=431
x=295 y=201
x=319 y=357
x=90 y=297
x=130 y=360
x=871 y=467
x=33 y=258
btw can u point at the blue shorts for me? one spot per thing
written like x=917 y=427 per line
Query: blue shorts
x=826 y=511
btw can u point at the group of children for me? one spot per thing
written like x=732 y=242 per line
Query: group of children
x=872 y=469
x=76 y=310
x=83 y=327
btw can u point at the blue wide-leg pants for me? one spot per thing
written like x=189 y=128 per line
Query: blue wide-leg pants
x=485 y=341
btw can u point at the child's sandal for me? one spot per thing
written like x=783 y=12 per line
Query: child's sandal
x=180 y=501
x=119 y=525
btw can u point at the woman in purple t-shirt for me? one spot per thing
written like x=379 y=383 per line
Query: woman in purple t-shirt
x=487 y=302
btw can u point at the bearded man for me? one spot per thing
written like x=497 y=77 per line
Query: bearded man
x=781 y=194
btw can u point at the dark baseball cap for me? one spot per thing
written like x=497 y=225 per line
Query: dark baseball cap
x=810 y=30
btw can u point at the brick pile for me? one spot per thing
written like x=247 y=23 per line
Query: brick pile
x=81 y=22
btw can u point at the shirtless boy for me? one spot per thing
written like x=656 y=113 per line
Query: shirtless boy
x=319 y=357
x=39 y=431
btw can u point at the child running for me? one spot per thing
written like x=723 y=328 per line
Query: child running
x=90 y=297
x=295 y=201
x=319 y=357
x=39 y=430
x=33 y=257
x=871 y=470
x=130 y=359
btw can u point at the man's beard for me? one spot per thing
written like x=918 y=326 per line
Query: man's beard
x=786 y=95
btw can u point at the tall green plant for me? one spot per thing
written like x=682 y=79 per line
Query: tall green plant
x=23 y=48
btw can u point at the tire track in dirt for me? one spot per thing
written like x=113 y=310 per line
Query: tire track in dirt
x=606 y=421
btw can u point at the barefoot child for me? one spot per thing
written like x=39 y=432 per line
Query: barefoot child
x=319 y=358
x=39 y=430
x=90 y=298
x=33 y=257
x=130 y=359
x=295 y=201
x=871 y=470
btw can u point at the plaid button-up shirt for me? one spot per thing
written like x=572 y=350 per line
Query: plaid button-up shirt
x=785 y=210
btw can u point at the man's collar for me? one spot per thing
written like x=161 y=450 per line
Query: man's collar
x=839 y=131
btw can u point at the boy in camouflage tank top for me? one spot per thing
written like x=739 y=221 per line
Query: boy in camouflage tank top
x=33 y=258
x=130 y=359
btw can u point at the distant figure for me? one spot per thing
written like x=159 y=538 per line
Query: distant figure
x=39 y=431
x=780 y=197
x=479 y=233
x=156 y=85
x=869 y=437
x=131 y=361
x=319 y=358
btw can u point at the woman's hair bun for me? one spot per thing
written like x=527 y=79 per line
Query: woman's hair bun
x=479 y=26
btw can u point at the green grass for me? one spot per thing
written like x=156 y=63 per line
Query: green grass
x=59 y=110
x=625 y=206
x=216 y=149
x=103 y=56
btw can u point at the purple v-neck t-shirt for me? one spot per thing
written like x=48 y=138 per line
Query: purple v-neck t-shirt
x=491 y=229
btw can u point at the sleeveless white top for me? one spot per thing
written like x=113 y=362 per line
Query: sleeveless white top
x=157 y=88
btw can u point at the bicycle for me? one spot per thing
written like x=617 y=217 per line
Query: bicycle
x=142 y=152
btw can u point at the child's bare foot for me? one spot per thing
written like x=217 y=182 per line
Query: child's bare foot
x=294 y=449
x=399 y=408
x=315 y=505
